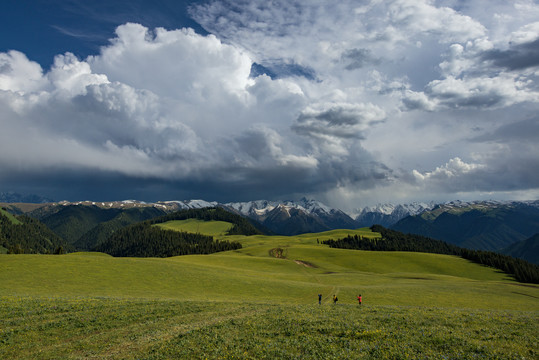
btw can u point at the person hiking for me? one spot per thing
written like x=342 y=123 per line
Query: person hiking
x=335 y=299
x=359 y=299
x=319 y=299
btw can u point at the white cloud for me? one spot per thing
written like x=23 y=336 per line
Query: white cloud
x=332 y=115
x=71 y=76
x=19 y=74
x=453 y=168
x=176 y=64
x=423 y=17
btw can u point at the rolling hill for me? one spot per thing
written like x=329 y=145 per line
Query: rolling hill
x=486 y=225
x=254 y=273
x=21 y=234
x=85 y=225
x=261 y=301
x=526 y=249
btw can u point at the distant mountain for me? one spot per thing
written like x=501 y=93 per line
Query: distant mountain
x=484 y=225
x=487 y=225
x=292 y=218
x=70 y=222
x=388 y=214
x=13 y=197
x=526 y=249
x=84 y=225
x=104 y=230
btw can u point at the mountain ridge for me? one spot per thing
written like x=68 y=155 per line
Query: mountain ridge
x=444 y=221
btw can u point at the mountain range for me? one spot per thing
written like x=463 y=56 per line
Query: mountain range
x=486 y=225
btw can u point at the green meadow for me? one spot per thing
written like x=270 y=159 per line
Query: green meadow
x=261 y=302
x=213 y=228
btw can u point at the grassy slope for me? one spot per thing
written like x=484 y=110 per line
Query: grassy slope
x=213 y=228
x=248 y=304
x=10 y=217
x=252 y=274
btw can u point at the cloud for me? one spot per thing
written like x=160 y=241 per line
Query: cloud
x=177 y=63
x=170 y=105
x=341 y=120
x=358 y=58
x=517 y=57
x=360 y=100
x=452 y=169
x=518 y=132
x=18 y=74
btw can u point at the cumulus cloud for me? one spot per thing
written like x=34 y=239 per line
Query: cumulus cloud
x=19 y=74
x=452 y=169
x=167 y=105
x=361 y=99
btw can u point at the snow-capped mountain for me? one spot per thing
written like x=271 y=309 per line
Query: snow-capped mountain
x=388 y=214
x=259 y=208
x=291 y=218
x=304 y=215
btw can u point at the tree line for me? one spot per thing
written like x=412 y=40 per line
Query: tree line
x=29 y=236
x=145 y=240
x=521 y=270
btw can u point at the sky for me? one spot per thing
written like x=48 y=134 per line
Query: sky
x=352 y=103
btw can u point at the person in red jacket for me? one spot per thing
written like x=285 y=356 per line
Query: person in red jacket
x=359 y=299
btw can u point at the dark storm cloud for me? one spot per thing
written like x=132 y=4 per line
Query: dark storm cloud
x=520 y=131
x=358 y=58
x=517 y=57
x=341 y=121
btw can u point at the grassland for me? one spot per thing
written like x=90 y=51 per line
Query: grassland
x=213 y=228
x=251 y=304
x=12 y=218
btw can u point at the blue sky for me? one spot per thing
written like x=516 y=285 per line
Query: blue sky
x=43 y=29
x=352 y=103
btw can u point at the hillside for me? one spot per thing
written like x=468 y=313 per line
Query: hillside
x=85 y=225
x=526 y=249
x=487 y=225
x=23 y=235
x=480 y=225
x=154 y=238
x=103 y=230
x=255 y=273
x=392 y=240
x=72 y=221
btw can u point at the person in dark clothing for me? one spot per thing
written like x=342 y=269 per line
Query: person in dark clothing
x=319 y=299
x=335 y=299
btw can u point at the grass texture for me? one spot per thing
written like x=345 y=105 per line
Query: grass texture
x=261 y=302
